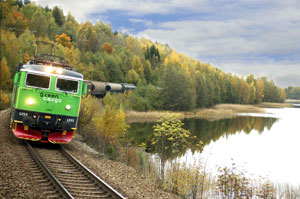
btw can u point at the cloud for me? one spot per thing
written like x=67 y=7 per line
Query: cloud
x=147 y=23
x=205 y=38
x=83 y=9
x=240 y=36
x=232 y=37
x=283 y=73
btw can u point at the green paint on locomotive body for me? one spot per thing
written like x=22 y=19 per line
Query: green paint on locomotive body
x=49 y=100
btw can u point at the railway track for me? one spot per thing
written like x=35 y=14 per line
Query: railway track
x=70 y=178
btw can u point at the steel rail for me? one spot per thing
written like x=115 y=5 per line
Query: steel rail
x=62 y=190
x=93 y=176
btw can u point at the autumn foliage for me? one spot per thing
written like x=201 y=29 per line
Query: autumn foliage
x=102 y=125
x=64 y=40
x=106 y=47
x=166 y=79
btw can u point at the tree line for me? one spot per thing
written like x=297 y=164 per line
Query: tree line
x=293 y=92
x=165 y=79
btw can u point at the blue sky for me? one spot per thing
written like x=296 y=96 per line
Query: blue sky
x=260 y=37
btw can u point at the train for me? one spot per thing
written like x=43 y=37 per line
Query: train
x=99 y=89
x=46 y=98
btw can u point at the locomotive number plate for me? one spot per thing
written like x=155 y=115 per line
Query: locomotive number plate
x=47 y=116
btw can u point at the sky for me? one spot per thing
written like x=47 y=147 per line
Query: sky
x=260 y=37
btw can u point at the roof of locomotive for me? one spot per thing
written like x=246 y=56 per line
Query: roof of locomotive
x=44 y=69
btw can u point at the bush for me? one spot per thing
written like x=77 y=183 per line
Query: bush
x=102 y=125
x=145 y=98
x=139 y=103
x=4 y=100
x=188 y=181
x=232 y=183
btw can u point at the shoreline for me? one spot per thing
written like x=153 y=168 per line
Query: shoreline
x=220 y=111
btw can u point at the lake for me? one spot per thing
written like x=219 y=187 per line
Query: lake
x=262 y=144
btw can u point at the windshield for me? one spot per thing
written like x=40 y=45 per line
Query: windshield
x=67 y=85
x=38 y=81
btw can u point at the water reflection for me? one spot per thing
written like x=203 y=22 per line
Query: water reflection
x=201 y=130
x=264 y=144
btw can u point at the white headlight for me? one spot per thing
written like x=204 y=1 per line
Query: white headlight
x=30 y=101
x=59 y=71
x=49 y=69
x=68 y=107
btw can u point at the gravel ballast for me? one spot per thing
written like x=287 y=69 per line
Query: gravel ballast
x=15 y=178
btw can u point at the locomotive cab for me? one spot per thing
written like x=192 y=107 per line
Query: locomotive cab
x=45 y=103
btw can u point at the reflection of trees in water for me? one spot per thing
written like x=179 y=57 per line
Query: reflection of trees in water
x=203 y=130
x=208 y=131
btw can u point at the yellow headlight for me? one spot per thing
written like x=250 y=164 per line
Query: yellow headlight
x=30 y=101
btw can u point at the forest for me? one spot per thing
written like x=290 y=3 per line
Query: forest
x=165 y=79
x=293 y=92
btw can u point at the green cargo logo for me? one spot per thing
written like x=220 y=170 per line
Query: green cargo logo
x=50 y=97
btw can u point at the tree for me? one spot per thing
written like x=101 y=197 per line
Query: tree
x=201 y=90
x=133 y=45
x=87 y=37
x=7 y=9
x=5 y=81
x=152 y=52
x=236 y=85
x=132 y=77
x=252 y=90
x=9 y=48
x=70 y=27
x=169 y=136
x=259 y=91
x=177 y=89
x=58 y=16
x=64 y=40
x=137 y=65
x=27 y=2
x=106 y=47
x=39 y=23
x=148 y=71
x=72 y=55
x=244 y=91
x=52 y=28
x=20 y=22
x=112 y=121
x=114 y=72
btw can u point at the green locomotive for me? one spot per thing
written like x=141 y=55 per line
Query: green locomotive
x=46 y=100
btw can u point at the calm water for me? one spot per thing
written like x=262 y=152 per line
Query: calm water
x=262 y=144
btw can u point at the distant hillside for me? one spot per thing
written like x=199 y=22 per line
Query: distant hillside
x=165 y=78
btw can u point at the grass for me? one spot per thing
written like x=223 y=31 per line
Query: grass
x=150 y=116
x=222 y=111
x=219 y=111
x=274 y=105
x=292 y=101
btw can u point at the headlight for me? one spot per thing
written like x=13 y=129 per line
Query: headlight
x=49 y=69
x=30 y=101
x=59 y=71
x=68 y=107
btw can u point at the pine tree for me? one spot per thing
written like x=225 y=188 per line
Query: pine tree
x=58 y=16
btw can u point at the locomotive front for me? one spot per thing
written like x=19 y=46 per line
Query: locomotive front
x=45 y=103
